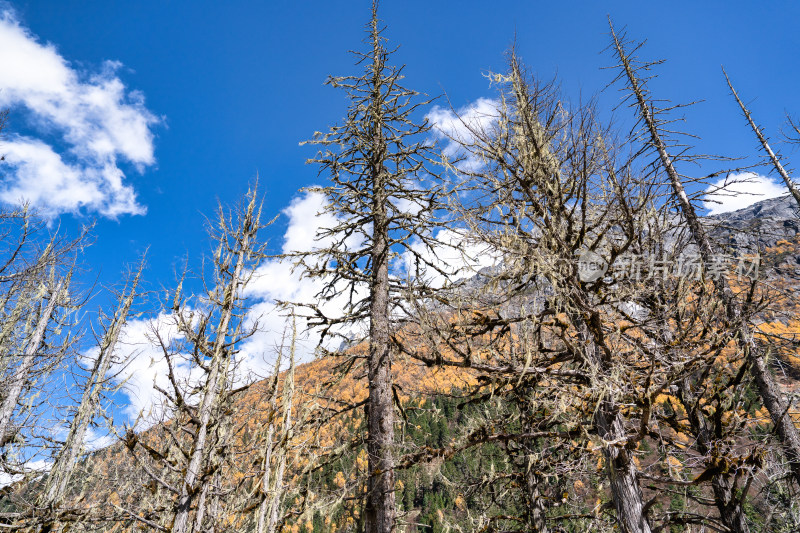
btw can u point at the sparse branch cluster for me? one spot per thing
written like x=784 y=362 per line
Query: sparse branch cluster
x=575 y=384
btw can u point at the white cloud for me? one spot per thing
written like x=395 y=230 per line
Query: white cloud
x=97 y=121
x=458 y=127
x=274 y=280
x=143 y=367
x=143 y=364
x=456 y=257
x=96 y=440
x=306 y=218
x=739 y=191
x=460 y=124
x=30 y=467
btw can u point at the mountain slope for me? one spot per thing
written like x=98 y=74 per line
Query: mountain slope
x=433 y=415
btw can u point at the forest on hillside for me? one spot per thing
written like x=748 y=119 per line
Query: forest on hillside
x=540 y=332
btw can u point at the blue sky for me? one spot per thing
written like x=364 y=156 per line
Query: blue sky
x=238 y=84
x=210 y=93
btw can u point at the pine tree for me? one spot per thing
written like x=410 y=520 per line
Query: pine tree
x=383 y=198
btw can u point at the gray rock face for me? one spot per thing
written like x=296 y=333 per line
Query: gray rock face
x=737 y=233
x=780 y=208
x=758 y=226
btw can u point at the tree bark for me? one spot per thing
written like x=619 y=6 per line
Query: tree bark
x=272 y=482
x=216 y=378
x=764 y=144
x=536 y=511
x=21 y=373
x=64 y=465
x=626 y=493
x=770 y=393
x=728 y=505
x=380 y=508
x=622 y=472
x=379 y=512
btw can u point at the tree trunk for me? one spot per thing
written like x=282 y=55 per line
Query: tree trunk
x=771 y=395
x=380 y=508
x=622 y=472
x=732 y=514
x=61 y=473
x=729 y=506
x=379 y=513
x=213 y=386
x=263 y=508
x=764 y=144
x=773 y=401
x=200 y=511
x=536 y=512
x=9 y=324
x=272 y=482
x=20 y=374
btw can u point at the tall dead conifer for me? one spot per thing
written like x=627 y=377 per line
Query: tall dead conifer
x=383 y=198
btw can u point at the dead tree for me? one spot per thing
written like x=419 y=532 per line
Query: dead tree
x=382 y=198
x=762 y=140
x=96 y=385
x=553 y=193
x=187 y=455
x=19 y=375
x=653 y=124
x=35 y=274
x=271 y=484
x=547 y=178
x=548 y=189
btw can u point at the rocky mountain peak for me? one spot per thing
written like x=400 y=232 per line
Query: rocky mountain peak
x=757 y=226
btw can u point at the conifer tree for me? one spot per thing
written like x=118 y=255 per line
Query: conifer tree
x=655 y=139
x=188 y=458
x=384 y=200
x=97 y=383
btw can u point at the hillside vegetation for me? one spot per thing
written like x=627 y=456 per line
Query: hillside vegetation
x=537 y=331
